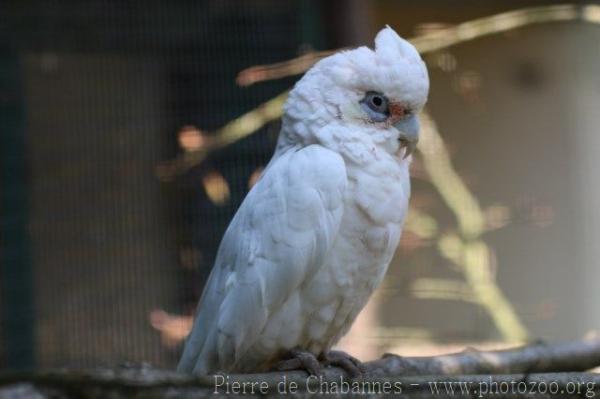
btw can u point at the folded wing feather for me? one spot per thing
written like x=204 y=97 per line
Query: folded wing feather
x=279 y=237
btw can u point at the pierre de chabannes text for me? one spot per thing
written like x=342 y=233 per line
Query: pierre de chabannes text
x=318 y=385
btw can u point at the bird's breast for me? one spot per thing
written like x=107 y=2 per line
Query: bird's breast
x=374 y=209
x=324 y=307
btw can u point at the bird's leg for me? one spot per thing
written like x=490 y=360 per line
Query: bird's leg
x=300 y=360
x=353 y=366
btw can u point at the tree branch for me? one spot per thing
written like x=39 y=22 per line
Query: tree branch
x=536 y=363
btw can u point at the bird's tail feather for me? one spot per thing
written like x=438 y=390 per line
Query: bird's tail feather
x=201 y=342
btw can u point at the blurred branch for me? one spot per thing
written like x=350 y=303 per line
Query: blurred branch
x=467 y=250
x=444 y=289
x=233 y=131
x=440 y=39
x=447 y=181
x=421 y=224
x=250 y=121
x=415 y=373
x=295 y=66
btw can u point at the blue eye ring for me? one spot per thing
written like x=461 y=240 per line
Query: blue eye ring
x=376 y=105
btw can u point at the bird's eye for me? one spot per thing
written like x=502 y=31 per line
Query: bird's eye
x=377 y=101
x=376 y=105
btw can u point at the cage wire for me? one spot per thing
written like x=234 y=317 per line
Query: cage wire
x=99 y=246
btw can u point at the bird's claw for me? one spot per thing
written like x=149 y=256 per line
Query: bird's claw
x=300 y=360
x=354 y=367
x=304 y=360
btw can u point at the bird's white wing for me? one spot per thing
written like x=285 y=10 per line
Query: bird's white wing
x=279 y=236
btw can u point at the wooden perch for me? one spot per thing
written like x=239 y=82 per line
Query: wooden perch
x=538 y=358
x=556 y=365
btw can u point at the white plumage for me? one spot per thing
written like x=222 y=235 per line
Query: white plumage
x=315 y=235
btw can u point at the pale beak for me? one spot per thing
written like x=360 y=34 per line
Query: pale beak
x=409 y=133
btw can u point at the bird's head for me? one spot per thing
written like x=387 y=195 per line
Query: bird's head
x=379 y=90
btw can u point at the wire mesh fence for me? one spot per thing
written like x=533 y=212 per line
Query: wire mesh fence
x=94 y=96
x=127 y=144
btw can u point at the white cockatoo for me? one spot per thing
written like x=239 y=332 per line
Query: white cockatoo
x=315 y=235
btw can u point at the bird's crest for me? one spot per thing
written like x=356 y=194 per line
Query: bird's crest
x=388 y=44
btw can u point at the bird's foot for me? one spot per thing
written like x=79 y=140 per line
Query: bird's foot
x=353 y=366
x=300 y=360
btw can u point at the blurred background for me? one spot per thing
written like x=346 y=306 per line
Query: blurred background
x=130 y=132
